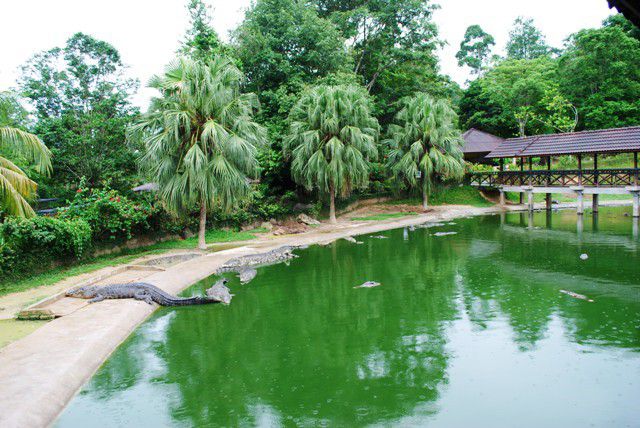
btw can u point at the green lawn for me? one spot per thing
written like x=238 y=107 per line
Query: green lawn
x=462 y=195
x=58 y=274
x=383 y=216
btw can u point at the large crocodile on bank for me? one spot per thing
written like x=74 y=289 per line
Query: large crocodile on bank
x=245 y=265
x=219 y=293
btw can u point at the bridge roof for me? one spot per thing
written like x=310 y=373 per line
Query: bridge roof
x=476 y=141
x=616 y=140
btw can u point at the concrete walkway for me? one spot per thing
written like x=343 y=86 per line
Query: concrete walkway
x=40 y=373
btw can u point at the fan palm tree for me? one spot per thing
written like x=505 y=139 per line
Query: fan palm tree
x=199 y=137
x=425 y=144
x=332 y=137
x=16 y=188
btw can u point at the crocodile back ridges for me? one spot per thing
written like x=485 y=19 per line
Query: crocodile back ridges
x=140 y=291
x=163 y=298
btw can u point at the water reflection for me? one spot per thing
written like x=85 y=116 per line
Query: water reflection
x=301 y=346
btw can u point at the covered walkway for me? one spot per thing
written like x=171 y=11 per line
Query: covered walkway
x=580 y=181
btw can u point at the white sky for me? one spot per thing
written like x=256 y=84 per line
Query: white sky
x=147 y=32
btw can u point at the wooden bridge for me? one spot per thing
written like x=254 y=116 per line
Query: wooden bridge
x=578 y=181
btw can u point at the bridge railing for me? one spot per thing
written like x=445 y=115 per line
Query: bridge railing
x=559 y=178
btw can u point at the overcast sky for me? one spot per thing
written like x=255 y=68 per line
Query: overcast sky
x=146 y=32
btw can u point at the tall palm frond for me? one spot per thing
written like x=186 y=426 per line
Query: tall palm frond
x=200 y=138
x=16 y=189
x=425 y=144
x=332 y=138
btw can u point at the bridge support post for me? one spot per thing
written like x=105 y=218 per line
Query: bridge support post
x=548 y=201
x=636 y=203
x=595 y=203
x=580 y=192
x=502 y=197
x=529 y=191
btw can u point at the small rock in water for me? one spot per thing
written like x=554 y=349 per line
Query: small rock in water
x=451 y=223
x=576 y=295
x=369 y=284
x=380 y=237
x=428 y=225
x=584 y=256
x=350 y=239
x=444 y=233
x=412 y=228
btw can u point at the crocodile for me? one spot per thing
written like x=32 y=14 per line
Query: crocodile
x=246 y=274
x=142 y=291
x=252 y=260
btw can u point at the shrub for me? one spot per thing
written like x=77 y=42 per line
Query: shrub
x=110 y=215
x=29 y=246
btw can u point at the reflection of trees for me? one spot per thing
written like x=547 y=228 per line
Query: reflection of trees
x=522 y=281
x=302 y=341
x=300 y=346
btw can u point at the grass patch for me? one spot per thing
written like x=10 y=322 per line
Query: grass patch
x=383 y=216
x=462 y=195
x=60 y=273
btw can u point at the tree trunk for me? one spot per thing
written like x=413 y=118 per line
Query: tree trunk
x=425 y=199
x=202 y=243
x=332 y=205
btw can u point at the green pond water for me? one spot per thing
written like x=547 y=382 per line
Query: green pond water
x=467 y=330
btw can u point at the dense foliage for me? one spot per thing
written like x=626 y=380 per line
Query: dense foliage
x=289 y=112
x=199 y=137
x=82 y=107
x=331 y=140
x=16 y=188
x=29 y=246
x=593 y=83
x=425 y=144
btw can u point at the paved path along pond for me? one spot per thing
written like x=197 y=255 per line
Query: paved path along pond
x=465 y=329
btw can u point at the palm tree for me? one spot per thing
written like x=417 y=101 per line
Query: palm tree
x=425 y=144
x=332 y=137
x=16 y=188
x=199 y=137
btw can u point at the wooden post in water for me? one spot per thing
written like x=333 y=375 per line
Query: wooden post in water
x=502 y=196
x=547 y=196
x=595 y=179
x=635 y=166
x=530 y=183
x=521 y=182
x=580 y=189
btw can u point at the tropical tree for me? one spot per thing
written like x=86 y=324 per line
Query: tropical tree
x=82 y=102
x=475 y=49
x=199 y=137
x=425 y=144
x=331 y=140
x=526 y=41
x=16 y=188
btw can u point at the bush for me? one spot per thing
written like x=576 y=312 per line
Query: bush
x=30 y=246
x=110 y=215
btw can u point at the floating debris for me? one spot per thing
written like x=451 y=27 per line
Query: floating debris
x=429 y=225
x=412 y=228
x=576 y=295
x=584 y=256
x=451 y=223
x=369 y=284
x=444 y=233
x=380 y=237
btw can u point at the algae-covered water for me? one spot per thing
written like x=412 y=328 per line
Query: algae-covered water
x=467 y=329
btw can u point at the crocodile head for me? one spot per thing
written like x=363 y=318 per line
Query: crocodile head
x=84 y=292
